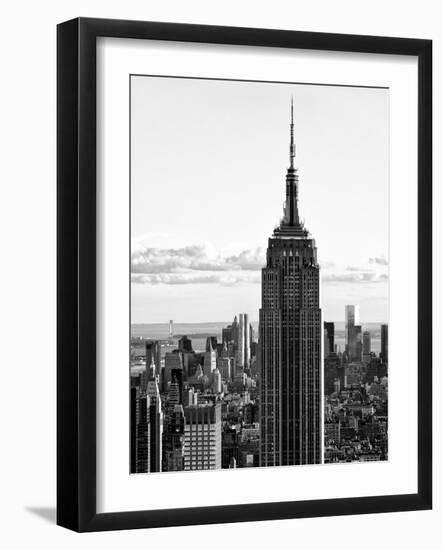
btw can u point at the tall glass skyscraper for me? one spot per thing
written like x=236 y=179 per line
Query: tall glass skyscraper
x=290 y=339
x=353 y=333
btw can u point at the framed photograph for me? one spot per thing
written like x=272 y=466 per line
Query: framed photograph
x=244 y=274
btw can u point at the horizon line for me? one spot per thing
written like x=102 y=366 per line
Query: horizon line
x=254 y=321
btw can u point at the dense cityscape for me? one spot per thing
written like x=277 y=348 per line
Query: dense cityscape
x=355 y=394
x=200 y=409
x=288 y=395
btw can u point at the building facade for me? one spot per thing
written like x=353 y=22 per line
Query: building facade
x=203 y=436
x=329 y=335
x=173 y=455
x=244 y=342
x=153 y=355
x=384 y=343
x=140 y=431
x=290 y=337
x=210 y=360
x=173 y=361
x=353 y=333
x=155 y=412
x=352 y=316
x=366 y=347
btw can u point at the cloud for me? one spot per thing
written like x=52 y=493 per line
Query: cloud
x=379 y=260
x=204 y=264
x=355 y=277
x=194 y=258
x=223 y=279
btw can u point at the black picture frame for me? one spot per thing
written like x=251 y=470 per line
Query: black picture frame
x=76 y=280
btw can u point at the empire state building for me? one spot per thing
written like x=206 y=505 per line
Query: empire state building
x=290 y=339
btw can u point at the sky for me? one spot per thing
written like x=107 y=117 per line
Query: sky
x=208 y=166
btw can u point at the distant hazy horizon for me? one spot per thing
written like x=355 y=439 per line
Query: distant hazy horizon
x=160 y=331
x=252 y=321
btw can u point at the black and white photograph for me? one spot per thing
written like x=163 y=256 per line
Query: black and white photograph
x=259 y=269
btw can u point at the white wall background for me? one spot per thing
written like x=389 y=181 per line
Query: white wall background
x=27 y=289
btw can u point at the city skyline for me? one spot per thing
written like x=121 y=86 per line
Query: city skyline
x=182 y=416
x=209 y=254
x=284 y=396
x=161 y=331
x=254 y=321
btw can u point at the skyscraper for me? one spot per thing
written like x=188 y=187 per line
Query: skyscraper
x=357 y=346
x=211 y=343
x=173 y=452
x=366 y=346
x=175 y=389
x=353 y=333
x=230 y=333
x=185 y=344
x=247 y=337
x=155 y=425
x=290 y=339
x=244 y=344
x=210 y=360
x=153 y=354
x=224 y=365
x=203 y=436
x=384 y=343
x=351 y=319
x=216 y=381
x=329 y=333
x=173 y=360
x=140 y=432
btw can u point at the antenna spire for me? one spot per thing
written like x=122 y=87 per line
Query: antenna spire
x=291 y=207
x=292 y=145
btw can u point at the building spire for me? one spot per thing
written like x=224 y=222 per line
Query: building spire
x=292 y=146
x=291 y=225
x=291 y=207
